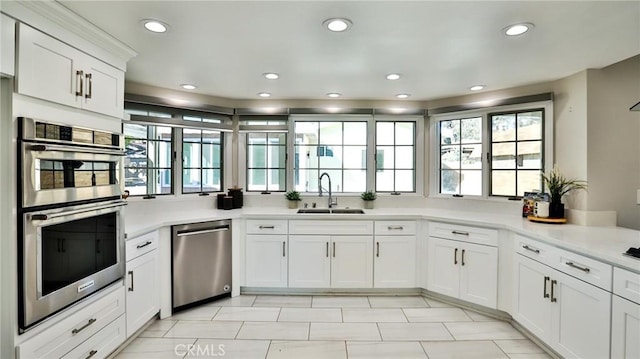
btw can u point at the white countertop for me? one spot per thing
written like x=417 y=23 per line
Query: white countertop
x=603 y=243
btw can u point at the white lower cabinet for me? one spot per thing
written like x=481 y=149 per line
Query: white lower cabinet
x=266 y=258
x=625 y=329
x=101 y=344
x=394 y=262
x=330 y=261
x=143 y=288
x=571 y=316
x=463 y=270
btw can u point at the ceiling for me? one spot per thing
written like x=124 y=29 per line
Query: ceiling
x=440 y=48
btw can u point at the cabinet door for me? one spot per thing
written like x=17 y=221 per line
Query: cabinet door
x=103 y=88
x=479 y=274
x=581 y=318
x=143 y=300
x=352 y=262
x=443 y=261
x=625 y=329
x=266 y=261
x=532 y=307
x=47 y=67
x=309 y=262
x=394 y=262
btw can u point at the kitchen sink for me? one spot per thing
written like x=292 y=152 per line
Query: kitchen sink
x=328 y=211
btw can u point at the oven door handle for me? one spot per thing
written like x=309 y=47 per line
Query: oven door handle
x=45 y=217
x=76 y=149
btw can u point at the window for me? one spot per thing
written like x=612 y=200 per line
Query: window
x=147 y=165
x=201 y=161
x=516 y=152
x=336 y=147
x=395 y=156
x=266 y=162
x=461 y=156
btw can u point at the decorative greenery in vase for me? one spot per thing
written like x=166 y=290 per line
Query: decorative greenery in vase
x=368 y=197
x=294 y=198
x=558 y=186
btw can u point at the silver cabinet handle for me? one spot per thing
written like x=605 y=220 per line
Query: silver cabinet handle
x=65 y=148
x=327 y=249
x=584 y=269
x=391 y=228
x=545 y=294
x=460 y=233
x=131 y=274
x=48 y=216
x=455 y=256
x=334 y=249
x=536 y=251
x=91 y=353
x=377 y=249
x=204 y=231
x=266 y=227
x=89 y=85
x=284 y=244
x=463 y=257
x=79 y=82
x=78 y=330
x=553 y=285
x=143 y=245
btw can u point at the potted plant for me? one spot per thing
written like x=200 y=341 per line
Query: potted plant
x=294 y=198
x=368 y=197
x=558 y=186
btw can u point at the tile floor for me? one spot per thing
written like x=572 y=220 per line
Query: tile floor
x=330 y=327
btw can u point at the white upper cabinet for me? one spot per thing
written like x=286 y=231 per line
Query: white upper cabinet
x=51 y=70
x=7 y=45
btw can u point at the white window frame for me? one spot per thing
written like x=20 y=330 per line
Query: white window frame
x=434 y=148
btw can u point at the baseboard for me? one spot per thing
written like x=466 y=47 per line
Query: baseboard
x=330 y=291
x=133 y=337
x=535 y=339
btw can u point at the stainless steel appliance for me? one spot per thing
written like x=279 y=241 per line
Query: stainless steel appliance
x=70 y=216
x=201 y=262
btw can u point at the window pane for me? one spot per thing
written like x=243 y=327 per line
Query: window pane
x=132 y=130
x=330 y=133
x=160 y=133
x=190 y=135
x=449 y=132
x=256 y=138
x=355 y=157
x=306 y=180
x=471 y=156
x=503 y=127
x=306 y=132
x=306 y=157
x=278 y=138
x=503 y=183
x=256 y=179
x=355 y=180
x=450 y=157
x=503 y=155
x=330 y=156
x=405 y=133
x=355 y=133
x=385 y=157
x=211 y=136
x=336 y=180
x=277 y=180
x=256 y=156
x=449 y=181
x=385 y=133
x=471 y=130
x=404 y=181
x=164 y=156
x=191 y=155
x=528 y=181
x=385 y=181
x=159 y=180
x=191 y=180
x=210 y=155
x=530 y=125
x=404 y=157
x=530 y=154
x=276 y=157
x=211 y=180
x=471 y=182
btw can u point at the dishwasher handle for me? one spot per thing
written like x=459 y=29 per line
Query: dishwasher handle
x=203 y=231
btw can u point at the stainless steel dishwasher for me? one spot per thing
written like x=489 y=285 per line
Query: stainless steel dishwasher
x=200 y=262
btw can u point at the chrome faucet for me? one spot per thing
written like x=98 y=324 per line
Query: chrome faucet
x=332 y=201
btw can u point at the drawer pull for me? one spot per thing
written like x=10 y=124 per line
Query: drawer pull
x=131 y=274
x=391 y=228
x=327 y=249
x=91 y=353
x=584 y=269
x=545 y=294
x=79 y=83
x=553 y=285
x=266 y=227
x=536 y=251
x=460 y=233
x=144 y=244
x=284 y=245
x=377 y=249
x=334 y=249
x=463 y=257
x=455 y=256
x=78 y=330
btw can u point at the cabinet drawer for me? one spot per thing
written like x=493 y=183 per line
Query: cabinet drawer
x=586 y=269
x=256 y=226
x=535 y=250
x=331 y=227
x=464 y=233
x=62 y=337
x=626 y=284
x=101 y=344
x=395 y=228
x=140 y=245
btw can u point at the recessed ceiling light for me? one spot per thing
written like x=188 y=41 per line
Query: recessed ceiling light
x=155 y=26
x=264 y=94
x=337 y=24
x=271 y=75
x=393 y=76
x=477 y=87
x=517 y=29
x=334 y=94
x=188 y=86
x=403 y=95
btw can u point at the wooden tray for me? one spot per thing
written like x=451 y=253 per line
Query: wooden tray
x=547 y=220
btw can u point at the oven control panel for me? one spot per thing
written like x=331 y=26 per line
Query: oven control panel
x=48 y=131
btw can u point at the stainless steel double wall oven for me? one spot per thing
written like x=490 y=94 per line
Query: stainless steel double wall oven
x=70 y=214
